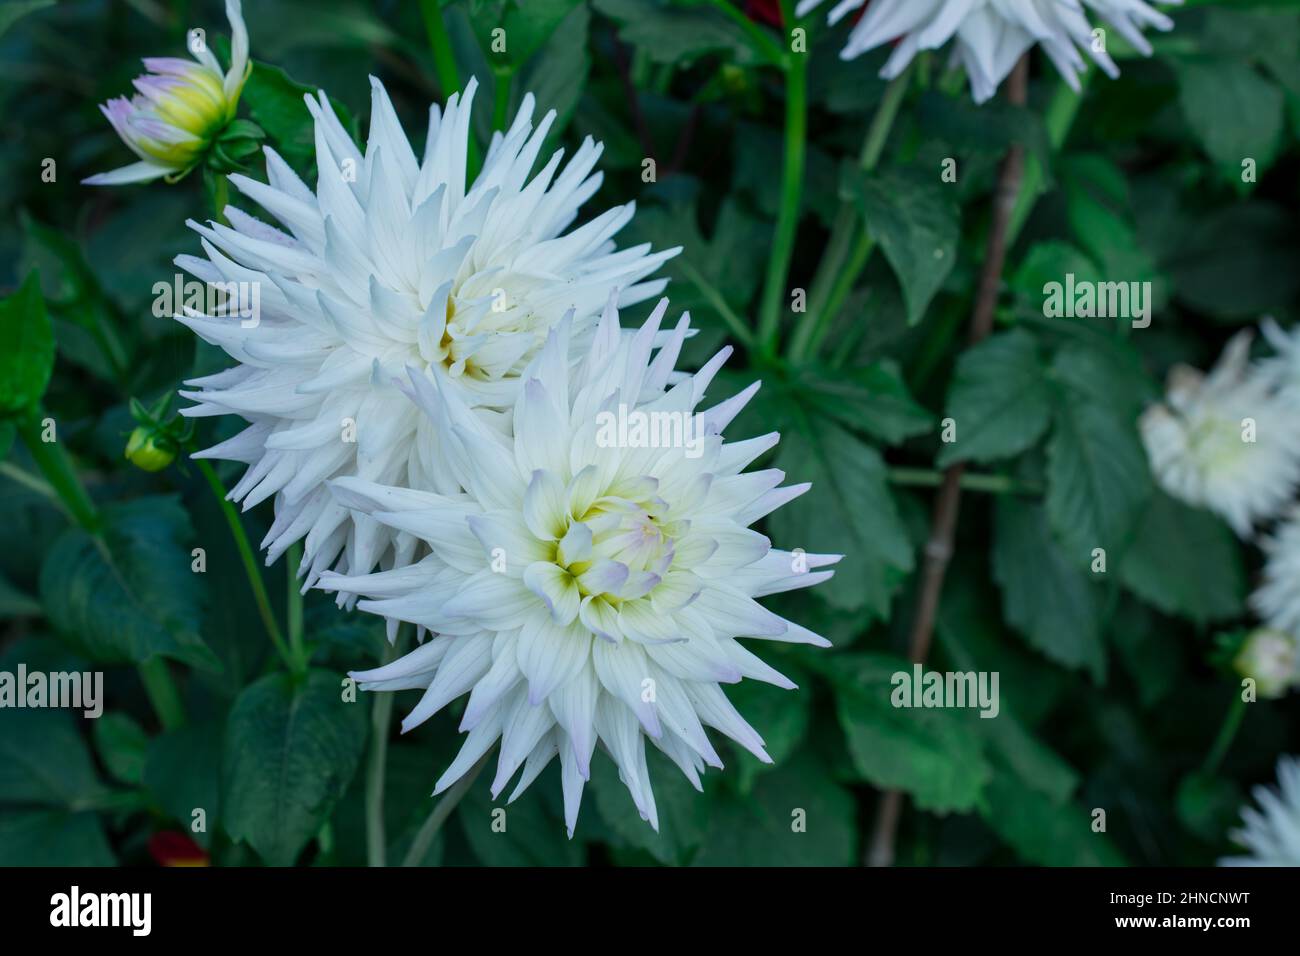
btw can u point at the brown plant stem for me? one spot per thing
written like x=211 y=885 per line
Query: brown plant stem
x=943 y=525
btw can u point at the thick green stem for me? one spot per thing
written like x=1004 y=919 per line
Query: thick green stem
x=441 y=811
x=293 y=603
x=787 y=222
x=1227 y=733
x=246 y=555
x=445 y=68
x=59 y=471
x=759 y=38
x=381 y=717
x=162 y=692
x=502 y=77
x=834 y=279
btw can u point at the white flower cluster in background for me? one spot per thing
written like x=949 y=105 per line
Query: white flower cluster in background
x=1271 y=830
x=989 y=36
x=1229 y=441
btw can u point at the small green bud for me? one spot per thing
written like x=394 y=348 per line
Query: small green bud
x=149 y=451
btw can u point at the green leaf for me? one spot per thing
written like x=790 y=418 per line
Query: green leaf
x=781 y=718
x=44 y=760
x=683 y=813
x=52 y=838
x=17 y=9
x=1043 y=830
x=931 y=753
x=557 y=75
x=534 y=833
x=1000 y=400
x=121 y=744
x=849 y=511
x=276 y=104
x=27 y=359
x=182 y=771
x=13 y=601
x=1185 y=561
x=1098 y=481
x=873 y=398
x=130 y=594
x=1044 y=596
x=290 y=749
x=1238 y=261
x=1209 y=806
x=917 y=225
x=529 y=25
x=669 y=33
x=796 y=816
x=1235 y=112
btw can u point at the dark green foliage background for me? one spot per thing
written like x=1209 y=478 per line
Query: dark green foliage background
x=1112 y=691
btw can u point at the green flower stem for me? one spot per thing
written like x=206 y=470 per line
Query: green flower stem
x=737 y=326
x=381 y=717
x=59 y=471
x=61 y=474
x=246 y=555
x=502 y=77
x=219 y=189
x=992 y=484
x=1227 y=733
x=787 y=222
x=162 y=692
x=759 y=38
x=441 y=811
x=293 y=603
x=834 y=280
x=444 y=66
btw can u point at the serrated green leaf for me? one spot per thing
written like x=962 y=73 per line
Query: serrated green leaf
x=1043 y=830
x=1047 y=598
x=1097 y=474
x=290 y=749
x=849 y=511
x=1185 y=561
x=129 y=594
x=121 y=744
x=27 y=359
x=917 y=225
x=1000 y=400
x=933 y=754
x=683 y=812
x=795 y=816
x=182 y=771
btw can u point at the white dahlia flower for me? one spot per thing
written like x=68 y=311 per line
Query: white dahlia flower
x=591 y=582
x=1272 y=832
x=1277 y=600
x=991 y=35
x=180 y=109
x=392 y=263
x=1228 y=441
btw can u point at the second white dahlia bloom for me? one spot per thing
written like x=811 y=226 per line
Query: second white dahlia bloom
x=392 y=262
x=991 y=35
x=1228 y=441
x=1271 y=833
x=591 y=583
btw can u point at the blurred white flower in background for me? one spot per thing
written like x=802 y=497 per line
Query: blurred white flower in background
x=991 y=35
x=585 y=589
x=1271 y=830
x=180 y=108
x=392 y=263
x=1277 y=600
x=1271 y=657
x=1228 y=441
